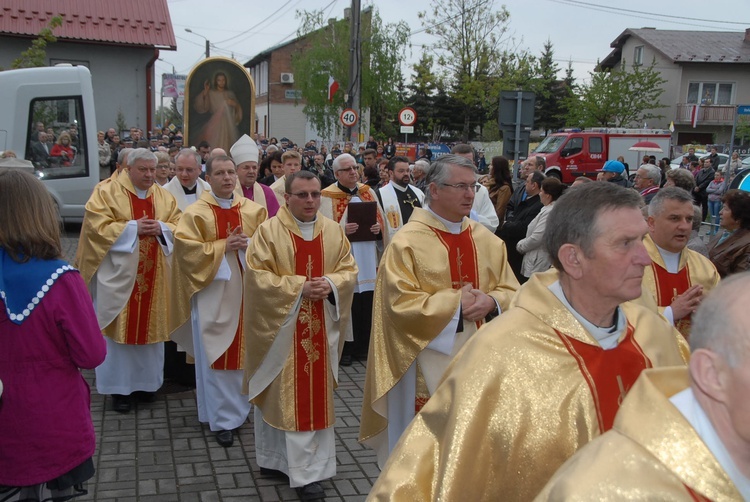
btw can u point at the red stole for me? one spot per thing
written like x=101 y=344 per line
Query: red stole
x=139 y=304
x=462 y=258
x=608 y=373
x=310 y=349
x=668 y=286
x=339 y=204
x=234 y=357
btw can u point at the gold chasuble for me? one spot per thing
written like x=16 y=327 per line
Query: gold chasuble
x=200 y=246
x=528 y=390
x=292 y=368
x=651 y=453
x=660 y=287
x=143 y=317
x=416 y=296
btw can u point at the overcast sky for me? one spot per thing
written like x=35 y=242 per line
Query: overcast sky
x=580 y=30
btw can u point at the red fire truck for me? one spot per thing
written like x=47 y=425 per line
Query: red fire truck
x=574 y=152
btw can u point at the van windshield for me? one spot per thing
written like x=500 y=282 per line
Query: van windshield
x=56 y=142
x=550 y=144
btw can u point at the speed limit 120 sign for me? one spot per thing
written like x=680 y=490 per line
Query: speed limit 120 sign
x=407 y=116
x=349 y=117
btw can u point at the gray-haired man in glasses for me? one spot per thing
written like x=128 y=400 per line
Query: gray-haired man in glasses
x=441 y=277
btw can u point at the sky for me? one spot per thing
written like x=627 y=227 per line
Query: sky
x=580 y=30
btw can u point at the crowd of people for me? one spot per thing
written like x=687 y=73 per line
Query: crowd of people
x=536 y=327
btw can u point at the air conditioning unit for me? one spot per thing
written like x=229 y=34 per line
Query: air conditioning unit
x=287 y=78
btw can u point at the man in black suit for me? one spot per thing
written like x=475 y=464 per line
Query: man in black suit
x=40 y=151
x=515 y=226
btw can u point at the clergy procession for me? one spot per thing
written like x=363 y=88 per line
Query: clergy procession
x=620 y=372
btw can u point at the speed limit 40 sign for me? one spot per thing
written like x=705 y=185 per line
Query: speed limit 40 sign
x=407 y=116
x=349 y=117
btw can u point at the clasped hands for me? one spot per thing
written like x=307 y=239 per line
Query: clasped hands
x=147 y=226
x=237 y=240
x=317 y=288
x=475 y=304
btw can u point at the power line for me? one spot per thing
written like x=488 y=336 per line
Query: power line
x=653 y=14
x=256 y=25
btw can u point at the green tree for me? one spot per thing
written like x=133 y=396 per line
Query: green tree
x=470 y=38
x=742 y=135
x=549 y=107
x=36 y=55
x=421 y=95
x=618 y=98
x=327 y=54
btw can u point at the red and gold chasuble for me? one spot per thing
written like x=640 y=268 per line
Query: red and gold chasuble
x=462 y=258
x=226 y=221
x=141 y=298
x=668 y=287
x=608 y=373
x=310 y=347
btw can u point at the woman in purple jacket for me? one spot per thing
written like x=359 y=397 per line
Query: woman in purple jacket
x=48 y=330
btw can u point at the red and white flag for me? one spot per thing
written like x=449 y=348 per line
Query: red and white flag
x=333 y=86
x=694 y=115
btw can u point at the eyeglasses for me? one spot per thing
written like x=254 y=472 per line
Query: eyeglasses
x=474 y=187
x=346 y=169
x=305 y=195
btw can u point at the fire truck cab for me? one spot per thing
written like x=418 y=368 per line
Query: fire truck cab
x=573 y=152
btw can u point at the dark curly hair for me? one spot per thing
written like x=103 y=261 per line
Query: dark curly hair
x=738 y=203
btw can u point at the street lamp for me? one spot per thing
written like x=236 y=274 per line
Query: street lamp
x=208 y=44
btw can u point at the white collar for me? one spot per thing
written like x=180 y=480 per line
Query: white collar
x=224 y=203
x=671 y=260
x=607 y=337
x=452 y=226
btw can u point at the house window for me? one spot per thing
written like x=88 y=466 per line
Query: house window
x=638 y=55
x=710 y=93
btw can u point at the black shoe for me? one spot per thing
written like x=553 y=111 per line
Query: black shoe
x=272 y=473
x=144 y=397
x=346 y=360
x=313 y=491
x=224 y=438
x=120 y=403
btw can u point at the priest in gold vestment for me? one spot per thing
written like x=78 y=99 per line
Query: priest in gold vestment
x=677 y=279
x=299 y=285
x=440 y=277
x=207 y=295
x=680 y=434
x=125 y=241
x=546 y=376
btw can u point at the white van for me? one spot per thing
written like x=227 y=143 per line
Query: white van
x=60 y=98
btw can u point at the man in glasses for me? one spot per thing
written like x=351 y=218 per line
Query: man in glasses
x=335 y=205
x=440 y=279
x=300 y=280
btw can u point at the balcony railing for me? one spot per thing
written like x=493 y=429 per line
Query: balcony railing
x=707 y=114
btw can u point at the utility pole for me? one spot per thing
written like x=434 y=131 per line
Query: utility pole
x=355 y=67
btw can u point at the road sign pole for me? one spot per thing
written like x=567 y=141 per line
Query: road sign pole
x=517 y=146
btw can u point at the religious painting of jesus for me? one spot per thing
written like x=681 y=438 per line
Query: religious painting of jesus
x=219 y=103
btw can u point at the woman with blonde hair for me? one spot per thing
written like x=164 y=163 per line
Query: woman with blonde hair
x=63 y=150
x=49 y=331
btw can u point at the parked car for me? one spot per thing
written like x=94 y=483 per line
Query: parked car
x=723 y=159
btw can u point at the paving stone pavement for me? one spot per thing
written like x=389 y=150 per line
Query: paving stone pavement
x=160 y=452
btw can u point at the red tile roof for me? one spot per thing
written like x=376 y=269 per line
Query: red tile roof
x=142 y=23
